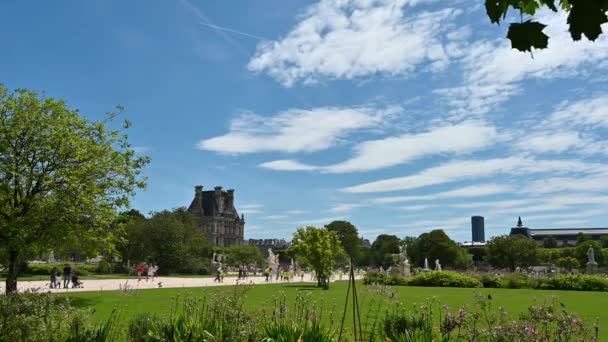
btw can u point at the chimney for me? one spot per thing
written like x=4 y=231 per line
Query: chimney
x=218 y=199
x=230 y=203
x=197 y=203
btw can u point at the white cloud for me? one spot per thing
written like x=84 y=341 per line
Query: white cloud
x=582 y=214
x=468 y=191
x=274 y=217
x=317 y=221
x=296 y=130
x=250 y=208
x=416 y=207
x=564 y=223
x=288 y=165
x=460 y=138
x=548 y=142
x=449 y=223
x=345 y=39
x=453 y=139
x=345 y=207
x=249 y=211
x=296 y=212
x=592 y=113
x=493 y=71
x=474 y=169
x=594 y=183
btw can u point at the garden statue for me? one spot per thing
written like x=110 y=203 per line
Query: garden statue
x=404 y=264
x=426 y=264
x=437 y=265
x=591 y=263
x=591 y=256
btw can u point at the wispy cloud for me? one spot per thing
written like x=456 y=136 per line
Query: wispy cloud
x=350 y=39
x=475 y=169
x=462 y=138
x=296 y=130
x=345 y=207
x=274 y=217
x=468 y=191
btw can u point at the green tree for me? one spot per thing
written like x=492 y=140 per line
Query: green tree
x=364 y=257
x=585 y=17
x=568 y=263
x=348 y=235
x=550 y=242
x=62 y=177
x=243 y=255
x=437 y=245
x=604 y=241
x=580 y=238
x=320 y=247
x=511 y=252
x=171 y=239
x=383 y=248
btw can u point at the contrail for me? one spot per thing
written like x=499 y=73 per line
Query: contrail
x=233 y=31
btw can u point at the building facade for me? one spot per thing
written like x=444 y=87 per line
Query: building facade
x=217 y=216
x=565 y=236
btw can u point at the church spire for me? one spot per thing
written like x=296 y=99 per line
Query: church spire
x=519 y=223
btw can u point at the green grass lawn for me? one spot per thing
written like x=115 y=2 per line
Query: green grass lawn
x=589 y=305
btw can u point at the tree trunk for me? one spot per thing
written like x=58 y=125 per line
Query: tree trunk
x=13 y=271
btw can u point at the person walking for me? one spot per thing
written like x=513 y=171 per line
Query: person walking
x=53 y=277
x=140 y=269
x=151 y=272
x=67 y=275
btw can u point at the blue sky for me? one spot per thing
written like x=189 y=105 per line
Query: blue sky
x=400 y=116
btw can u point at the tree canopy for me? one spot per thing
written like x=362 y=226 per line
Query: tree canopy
x=62 y=176
x=348 y=235
x=383 y=248
x=437 y=245
x=243 y=255
x=320 y=247
x=511 y=251
x=585 y=18
x=170 y=239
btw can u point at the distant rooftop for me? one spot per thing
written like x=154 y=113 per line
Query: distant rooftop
x=567 y=231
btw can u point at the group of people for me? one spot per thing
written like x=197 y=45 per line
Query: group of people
x=70 y=277
x=150 y=271
x=219 y=276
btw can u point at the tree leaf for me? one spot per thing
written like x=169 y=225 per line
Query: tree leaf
x=586 y=18
x=527 y=35
x=496 y=9
x=550 y=4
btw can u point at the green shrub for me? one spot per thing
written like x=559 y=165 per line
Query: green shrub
x=443 y=279
x=514 y=281
x=139 y=327
x=104 y=267
x=580 y=282
x=374 y=277
x=40 y=317
x=45 y=269
x=489 y=280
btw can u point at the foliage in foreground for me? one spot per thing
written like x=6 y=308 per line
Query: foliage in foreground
x=45 y=317
x=222 y=317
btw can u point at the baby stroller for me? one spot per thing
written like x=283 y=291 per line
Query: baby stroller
x=76 y=283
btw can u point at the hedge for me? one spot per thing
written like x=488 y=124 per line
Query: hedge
x=431 y=279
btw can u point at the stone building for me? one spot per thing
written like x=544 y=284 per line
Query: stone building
x=565 y=236
x=218 y=216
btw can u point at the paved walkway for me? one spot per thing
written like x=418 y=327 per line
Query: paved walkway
x=132 y=283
